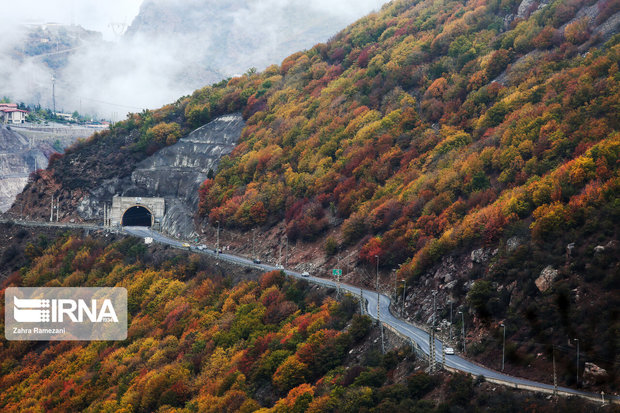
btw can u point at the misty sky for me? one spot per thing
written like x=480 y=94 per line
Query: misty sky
x=90 y=14
x=151 y=69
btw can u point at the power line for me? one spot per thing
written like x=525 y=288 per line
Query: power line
x=113 y=104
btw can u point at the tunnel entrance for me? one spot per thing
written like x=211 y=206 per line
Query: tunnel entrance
x=137 y=216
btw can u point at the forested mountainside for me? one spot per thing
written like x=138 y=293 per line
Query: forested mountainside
x=198 y=343
x=473 y=146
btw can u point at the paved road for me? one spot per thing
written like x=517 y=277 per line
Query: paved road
x=419 y=336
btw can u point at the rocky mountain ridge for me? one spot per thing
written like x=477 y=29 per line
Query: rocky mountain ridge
x=174 y=173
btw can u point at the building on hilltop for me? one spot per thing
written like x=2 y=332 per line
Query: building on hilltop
x=65 y=116
x=9 y=113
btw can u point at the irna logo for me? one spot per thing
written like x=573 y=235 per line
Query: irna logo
x=58 y=310
x=65 y=313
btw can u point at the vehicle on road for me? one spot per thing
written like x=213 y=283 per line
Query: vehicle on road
x=305 y=274
x=186 y=245
x=449 y=350
x=202 y=247
x=256 y=261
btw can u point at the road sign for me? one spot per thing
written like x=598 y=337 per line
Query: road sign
x=336 y=272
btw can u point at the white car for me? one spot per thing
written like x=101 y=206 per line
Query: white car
x=449 y=350
x=305 y=274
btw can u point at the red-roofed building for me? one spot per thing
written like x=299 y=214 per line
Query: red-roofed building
x=10 y=114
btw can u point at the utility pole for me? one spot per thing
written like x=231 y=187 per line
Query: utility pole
x=54 y=93
x=443 y=357
x=361 y=302
x=394 y=272
x=577 y=340
x=57 y=208
x=377 y=288
x=432 y=350
x=52 y=210
x=503 y=346
x=402 y=310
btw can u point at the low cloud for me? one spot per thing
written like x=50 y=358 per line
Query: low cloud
x=155 y=65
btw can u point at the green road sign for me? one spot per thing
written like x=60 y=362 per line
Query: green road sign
x=336 y=272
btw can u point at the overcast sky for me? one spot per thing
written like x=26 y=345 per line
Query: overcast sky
x=90 y=14
x=148 y=71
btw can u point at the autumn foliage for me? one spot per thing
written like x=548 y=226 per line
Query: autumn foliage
x=192 y=341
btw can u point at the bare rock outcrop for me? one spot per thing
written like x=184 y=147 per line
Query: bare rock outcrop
x=593 y=374
x=547 y=276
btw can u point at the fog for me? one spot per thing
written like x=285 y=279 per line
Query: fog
x=169 y=50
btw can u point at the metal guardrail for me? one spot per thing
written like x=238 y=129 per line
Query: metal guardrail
x=417 y=350
x=49 y=224
x=558 y=392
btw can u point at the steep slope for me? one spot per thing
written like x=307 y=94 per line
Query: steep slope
x=197 y=343
x=475 y=147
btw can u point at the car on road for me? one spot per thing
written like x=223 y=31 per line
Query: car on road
x=186 y=245
x=305 y=274
x=449 y=350
x=202 y=247
x=256 y=261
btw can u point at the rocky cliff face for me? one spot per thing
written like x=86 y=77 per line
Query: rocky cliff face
x=26 y=148
x=174 y=173
x=17 y=159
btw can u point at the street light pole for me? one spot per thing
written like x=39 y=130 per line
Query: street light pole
x=286 y=251
x=434 y=308
x=254 y=244
x=450 y=320
x=463 y=329
x=378 y=306
x=577 y=340
x=402 y=311
x=503 y=346
x=217 y=247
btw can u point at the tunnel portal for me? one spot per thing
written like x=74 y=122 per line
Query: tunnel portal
x=137 y=216
x=134 y=211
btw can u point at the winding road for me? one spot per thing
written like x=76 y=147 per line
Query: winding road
x=417 y=335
